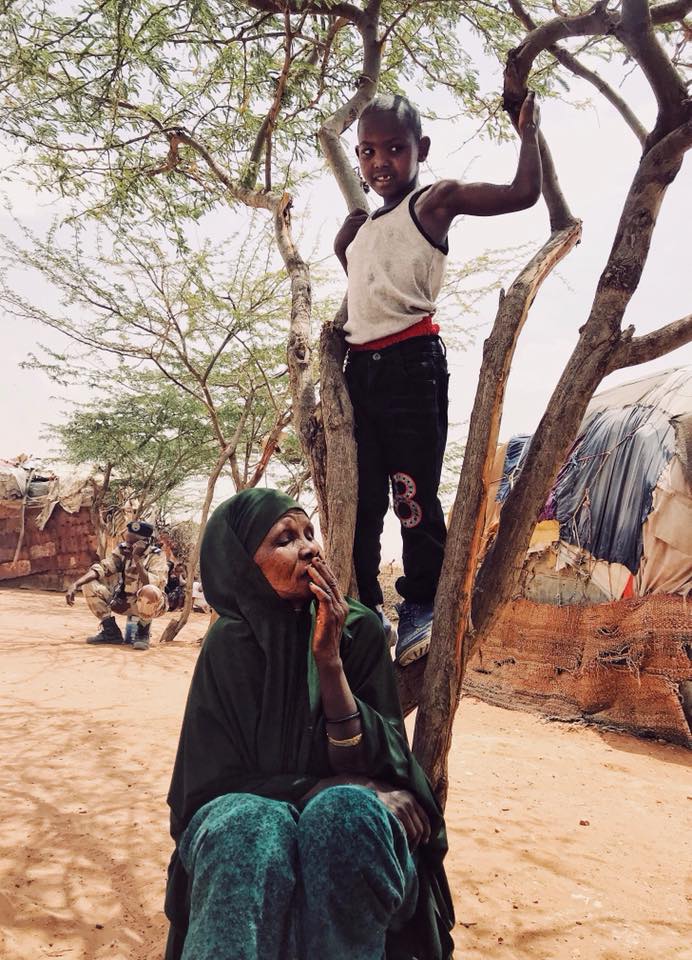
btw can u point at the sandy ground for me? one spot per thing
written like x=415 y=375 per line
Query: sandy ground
x=565 y=842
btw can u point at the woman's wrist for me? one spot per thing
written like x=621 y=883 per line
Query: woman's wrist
x=330 y=664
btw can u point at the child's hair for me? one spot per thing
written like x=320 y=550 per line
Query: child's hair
x=405 y=111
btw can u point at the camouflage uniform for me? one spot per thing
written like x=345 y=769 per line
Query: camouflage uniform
x=119 y=570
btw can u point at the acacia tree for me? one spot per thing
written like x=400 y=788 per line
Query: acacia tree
x=241 y=91
x=197 y=337
x=149 y=435
x=145 y=439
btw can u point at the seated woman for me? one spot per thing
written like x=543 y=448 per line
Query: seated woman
x=304 y=827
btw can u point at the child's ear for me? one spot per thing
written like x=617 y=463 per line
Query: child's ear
x=423 y=148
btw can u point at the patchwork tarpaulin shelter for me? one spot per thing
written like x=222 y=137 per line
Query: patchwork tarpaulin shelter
x=47 y=535
x=603 y=627
x=618 y=521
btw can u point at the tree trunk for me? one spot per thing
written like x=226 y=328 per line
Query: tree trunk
x=449 y=647
x=306 y=419
x=341 y=474
x=174 y=627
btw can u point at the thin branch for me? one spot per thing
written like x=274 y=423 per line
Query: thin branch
x=278 y=100
x=670 y=12
x=634 y=350
x=270 y=445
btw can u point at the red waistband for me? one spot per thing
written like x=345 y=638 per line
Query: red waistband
x=423 y=328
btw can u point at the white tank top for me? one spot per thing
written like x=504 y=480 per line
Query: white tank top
x=395 y=272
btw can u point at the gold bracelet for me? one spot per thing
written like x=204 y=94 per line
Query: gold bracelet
x=351 y=742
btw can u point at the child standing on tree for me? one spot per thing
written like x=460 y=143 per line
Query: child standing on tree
x=396 y=369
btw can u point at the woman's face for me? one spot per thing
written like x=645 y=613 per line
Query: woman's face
x=285 y=555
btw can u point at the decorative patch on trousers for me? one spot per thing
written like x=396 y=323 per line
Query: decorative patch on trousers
x=407 y=509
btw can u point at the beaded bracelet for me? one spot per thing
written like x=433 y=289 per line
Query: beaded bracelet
x=351 y=742
x=351 y=716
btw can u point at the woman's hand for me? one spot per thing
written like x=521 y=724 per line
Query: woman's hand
x=332 y=610
x=401 y=803
x=408 y=812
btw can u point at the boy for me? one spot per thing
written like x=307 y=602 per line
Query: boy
x=396 y=368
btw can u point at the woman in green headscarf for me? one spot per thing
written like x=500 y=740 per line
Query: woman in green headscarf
x=304 y=827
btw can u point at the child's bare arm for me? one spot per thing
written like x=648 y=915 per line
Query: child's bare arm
x=448 y=199
x=350 y=227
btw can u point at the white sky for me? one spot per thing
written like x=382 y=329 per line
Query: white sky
x=595 y=156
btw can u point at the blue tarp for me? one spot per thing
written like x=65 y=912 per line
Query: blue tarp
x=603 y=492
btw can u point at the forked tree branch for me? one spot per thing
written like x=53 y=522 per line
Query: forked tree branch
x=634 y=29
x=452 y=631
x=598 y=21
x=571 y=63
x=636 y=32
x=251 y=198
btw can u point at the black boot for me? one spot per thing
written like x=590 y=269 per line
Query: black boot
x=141 y=641
x=109 y=632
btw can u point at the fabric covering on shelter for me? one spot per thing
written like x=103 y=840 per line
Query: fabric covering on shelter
x=667 y=536
x=605 y=491
x=620 y=450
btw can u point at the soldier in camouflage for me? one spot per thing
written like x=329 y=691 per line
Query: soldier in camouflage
x=131 y=581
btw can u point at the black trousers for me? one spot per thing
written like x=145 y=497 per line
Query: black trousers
x=400 y=399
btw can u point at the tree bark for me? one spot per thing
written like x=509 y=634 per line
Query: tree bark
x=98 y=496
x=451 y=637
x=306 y=419
x=174 y=627
x=341 y=475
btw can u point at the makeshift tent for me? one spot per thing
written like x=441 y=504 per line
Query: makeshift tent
x=618 y=521
x=617 y=526
x=47 y=537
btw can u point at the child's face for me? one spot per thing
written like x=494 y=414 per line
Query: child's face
x=389 y=154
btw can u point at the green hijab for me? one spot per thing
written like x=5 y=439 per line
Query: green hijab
x=247 y=725
x=231 y=580
x=253 y=721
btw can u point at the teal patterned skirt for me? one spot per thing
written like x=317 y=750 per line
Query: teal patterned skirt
x=270 y=882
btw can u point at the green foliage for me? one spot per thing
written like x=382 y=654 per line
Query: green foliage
x=147 y=432
x=99 y=91
x=97 y=94
x=184 y=354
